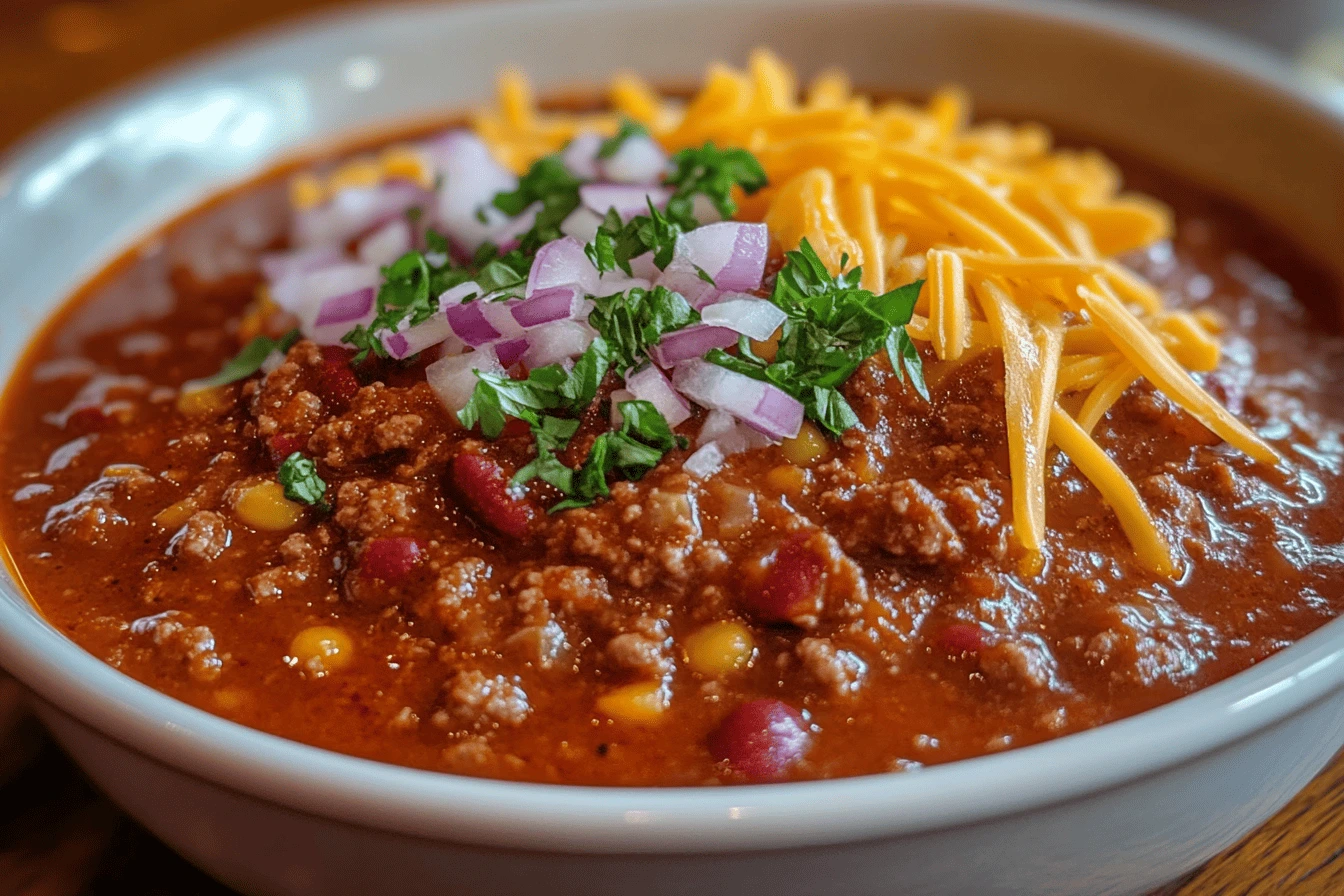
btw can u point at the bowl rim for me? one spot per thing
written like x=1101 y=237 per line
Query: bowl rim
x=437 y=806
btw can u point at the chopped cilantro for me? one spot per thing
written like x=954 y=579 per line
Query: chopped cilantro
x=298 y=474
x=549 y=182
x=613 y=144
x=413 y=283
x=498 y=396
x=833 y=326
x=633 y=321
x=617 y=241
x=248 y=360
x=712 y=172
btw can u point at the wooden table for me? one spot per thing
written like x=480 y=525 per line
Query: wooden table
x=57 y=836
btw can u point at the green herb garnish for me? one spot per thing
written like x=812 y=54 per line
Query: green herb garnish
x=633 y=321
x=248 y=360
x=613 y=144
x=298 y=474
x=549 y=182
x=711 y=172
x=833 y=326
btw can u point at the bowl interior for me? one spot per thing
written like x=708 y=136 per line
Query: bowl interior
x=73 y=197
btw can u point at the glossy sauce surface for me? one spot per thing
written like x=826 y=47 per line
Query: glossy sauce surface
x=608 y=645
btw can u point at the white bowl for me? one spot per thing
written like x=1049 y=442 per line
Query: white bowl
x=1116 y=810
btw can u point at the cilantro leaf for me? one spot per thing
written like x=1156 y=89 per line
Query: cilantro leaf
x=585 y=379
x=298 y=474
x=552 y=434
x=632 y=451
x=549 y=182
x=832 y=326
x=712 y=172
x=497 y=397
x=631 y=322
x=613 y=144
x=248 y=360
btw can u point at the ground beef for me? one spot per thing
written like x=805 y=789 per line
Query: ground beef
x=484 y=701
x=204 y=537
x=368 y=507
x=381 y=419
x=177 y=640
x=840 y=671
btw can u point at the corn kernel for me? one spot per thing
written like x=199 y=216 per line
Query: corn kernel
x=264 y=506
x=197 y=401
x=642 y=703
x=404 y=163
x=787 y=479
x=257 y=315
x=719 y=648
x=320 y=649
x=806 y=448
x=358 y=173
x=231 y=699
x=175 y=516
x=305 y=192
x=767 y=349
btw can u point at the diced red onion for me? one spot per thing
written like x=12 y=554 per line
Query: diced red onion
x=580 y=156
x=628 y=200
x=704 y=210
x=357 y=210
x=557 y=341
x=682 y=277
x=414 y=340
x=276 y=266
x=302 y=293
x=468 y=323
x=345 y=309
x=649 y=384
x=613 y=282
x=643 y=267
x=762 y=406
x=705 y=461
x=748 y=315
x=500 y=316
x=639 y=160
x=562 y=262
x=511 y=350
x=732 y=437
x=581 y=224
x=458 y=294
x=507 y=235
x=731 y=252
x=386 y=244
x=470 y=180
x=453 y=378
x=546 y=305
x=691 y=342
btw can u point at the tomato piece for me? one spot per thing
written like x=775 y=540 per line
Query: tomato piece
x=283 y=444
x=485 y=490
x=515 y=428
x=761 y=739
x=961 y=638
x=336 y=381
x=792 y=586
x=389 y=559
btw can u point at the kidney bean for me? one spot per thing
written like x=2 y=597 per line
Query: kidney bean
x=961 y=638
x=389 y=559
x=792 y=585
x=761 y=739
x=282 y=445
x=484 y=488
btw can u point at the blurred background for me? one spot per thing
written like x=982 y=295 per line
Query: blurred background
x=57 y=837
x=54 y=54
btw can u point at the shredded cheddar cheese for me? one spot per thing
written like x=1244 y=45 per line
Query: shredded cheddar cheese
x=1016 y=241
